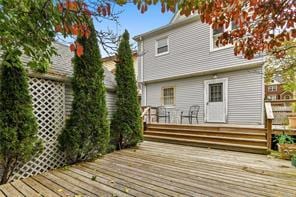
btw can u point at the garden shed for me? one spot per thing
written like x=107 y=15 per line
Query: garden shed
x=52 y=102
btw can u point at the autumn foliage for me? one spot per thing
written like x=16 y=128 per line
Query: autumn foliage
x=260 y=25
x=78 y=10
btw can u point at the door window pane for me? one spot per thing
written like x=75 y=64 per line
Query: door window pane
x=216 y=92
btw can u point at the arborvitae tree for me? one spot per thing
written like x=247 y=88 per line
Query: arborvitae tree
x=18 y=126
x=126 y=123
x=87 y=132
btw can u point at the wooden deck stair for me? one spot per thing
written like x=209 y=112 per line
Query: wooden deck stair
x=242 y=139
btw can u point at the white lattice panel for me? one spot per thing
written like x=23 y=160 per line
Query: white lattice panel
x=49 y=109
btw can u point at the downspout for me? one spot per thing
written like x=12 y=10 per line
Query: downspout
x=141 y=68
x=144 y=91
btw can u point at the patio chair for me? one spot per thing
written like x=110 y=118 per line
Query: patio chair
x=192 y=113
x=162 y=112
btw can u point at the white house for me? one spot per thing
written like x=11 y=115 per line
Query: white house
x=180 y=65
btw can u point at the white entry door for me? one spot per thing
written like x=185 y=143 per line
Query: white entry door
x=216 y=100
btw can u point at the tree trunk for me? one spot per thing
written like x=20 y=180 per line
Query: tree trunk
x=6 y=174
x=8 y=170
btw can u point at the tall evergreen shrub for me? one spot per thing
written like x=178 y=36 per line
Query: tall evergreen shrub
x=18 y=126
x=126 y=123
x=87 y=132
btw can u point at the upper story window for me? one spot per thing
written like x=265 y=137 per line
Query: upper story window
x=168 y=96
x=215 y=33
x=162 y=46
x=272 y=88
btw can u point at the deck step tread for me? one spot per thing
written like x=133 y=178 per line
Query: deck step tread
x=149 y=132
x=259 y=133
x=251 y=127
x=206 y=142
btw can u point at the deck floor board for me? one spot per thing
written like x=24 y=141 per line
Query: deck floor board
x=159 y=169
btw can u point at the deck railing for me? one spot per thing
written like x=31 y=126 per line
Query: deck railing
x=282 y=102
x=145 y=112
x=268 y=123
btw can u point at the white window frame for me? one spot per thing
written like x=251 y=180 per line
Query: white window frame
x=273 y=97
x=162 y=95
x=212 y=49
x=156 y=46
x=271 y=89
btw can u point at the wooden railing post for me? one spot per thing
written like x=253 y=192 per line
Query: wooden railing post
x=144 y=113
x=268 y=124
x=149 y=115
x=269 y=133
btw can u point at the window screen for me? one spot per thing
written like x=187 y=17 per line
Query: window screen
x=218 y=32
x=162 y=46
x=168 y=96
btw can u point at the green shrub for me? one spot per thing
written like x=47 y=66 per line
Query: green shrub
x=284 y=139
x=18 y=126
x=87 y=131
x=126 y=122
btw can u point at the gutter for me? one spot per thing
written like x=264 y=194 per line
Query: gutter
x=166 y=28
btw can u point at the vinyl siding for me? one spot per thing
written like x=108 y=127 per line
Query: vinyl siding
x=189 y=53
x=110 y=101
x=245 y=90
x=68 y=99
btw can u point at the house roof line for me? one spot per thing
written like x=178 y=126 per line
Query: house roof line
x=167 y=27
x=173 y=19
x=287 y=91
x=113 y=57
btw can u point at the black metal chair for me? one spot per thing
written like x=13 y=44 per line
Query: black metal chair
x=162 y=112
x=192 y=113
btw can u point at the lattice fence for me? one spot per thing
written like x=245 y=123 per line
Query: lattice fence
x=49 y=108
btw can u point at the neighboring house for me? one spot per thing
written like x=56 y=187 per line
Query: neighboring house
x=275 y=91
x=109 y=63
x=182 y=66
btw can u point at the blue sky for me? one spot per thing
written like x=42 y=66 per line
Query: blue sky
x=135 y=22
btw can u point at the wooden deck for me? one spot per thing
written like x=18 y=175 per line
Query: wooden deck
x=158 y=169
